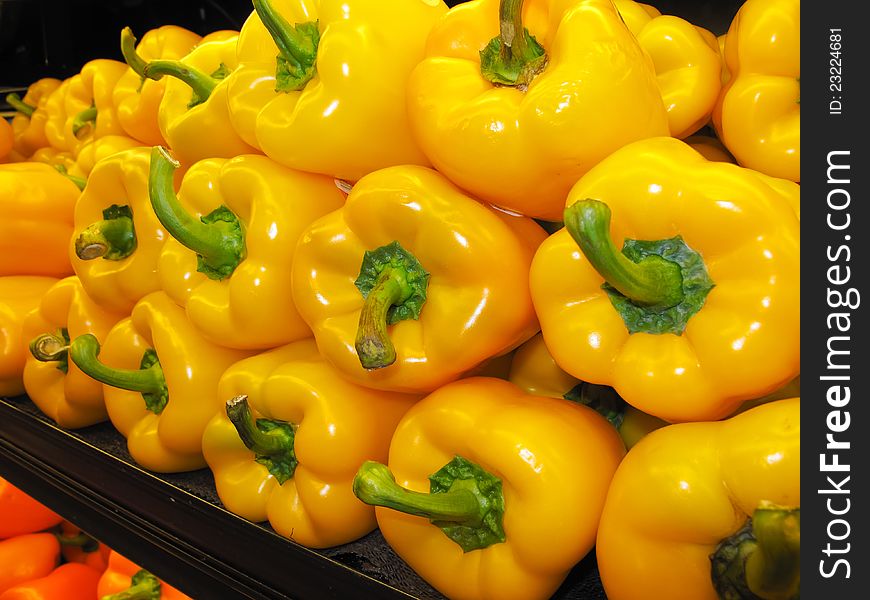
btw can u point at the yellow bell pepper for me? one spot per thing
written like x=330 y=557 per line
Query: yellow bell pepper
x=400 y=287
x=701 y=307
x=160 y=382
x=137 y=98
x=60 y=160
x=57 y=386
x=28 y=124
x=535 y=372
x=758 y=113
x=37 y=205
x=95 y=150
x=234 y=226
x=117 y=238
x=81 y=108
x=702 y=511
x=195 y=99
x=7 y=139
x=518 y=127
x=484 y=496
x=291 y=439
x=19 y=294
x=335 y=75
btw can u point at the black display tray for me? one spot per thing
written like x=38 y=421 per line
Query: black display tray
x=176 y=527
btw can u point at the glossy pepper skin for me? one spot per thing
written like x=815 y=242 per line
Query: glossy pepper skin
x=178 y=380
x=81 y=108
x=535 y=372
x=51 y=380
x=95 y=150
x=20 y=514
x=27 y=557
x=758 y=113
x=28 y=124
x=448 y=247
x=551 y=505
x=183 y=115
x=37 y=204
x=232 y=276
x=19 y=294
x=685 y=488
x=123 y=576
x=304 y=488
x=72 y=581
x=360 y=54
x=518 y=148
x=137 y=99
x=732 y=242
x=114 y=253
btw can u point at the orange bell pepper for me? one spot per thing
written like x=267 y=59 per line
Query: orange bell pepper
x=72 y=581
x=77 y=546
x=7 y=139
x=20 y=514
x=27 y=557
x=124 y=579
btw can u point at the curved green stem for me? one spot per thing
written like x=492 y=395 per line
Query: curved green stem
x=373 y=344
x=653 y=281
x=52 y=347
x=15 y=101
x=143 y=586
x=201 y=84
x=297 y=45
x=80 y=182
x=86 y=118
x=113 y=238
x=216 y=238
x=128 y=50
x=513 y=58
x=271 y=441
x=147 y=380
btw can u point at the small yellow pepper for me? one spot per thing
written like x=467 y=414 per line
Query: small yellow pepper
x=412 y=283
x=701 y=262
x=81 y=108
x=758 y=113
x=234 y=226
x=137 y=98
x=117 y=239
x=486 y=494
x=57 y=386
x=291 y=439
x=19 y=294
x=160 y=382
x=37 y=205
x=702 y=511
x=519 y=122
x=62 y=161
x=535 y=372
x=28 y=125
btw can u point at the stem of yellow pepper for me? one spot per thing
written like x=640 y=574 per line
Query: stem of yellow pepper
x=654 y=281
x=113 y=238
x=373 y=344
x=217 y=238
x=86 y=118
x=78 y=181
x=270 y=440
x=762 y=559
x=147 y=380
x=52 y=347
x=465 y=501
x=128 y=50
x=297 y=45
x=143 y=586
x=513 y=58
x=15 y=101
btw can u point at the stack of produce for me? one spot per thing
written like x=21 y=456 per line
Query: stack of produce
x=441 y=272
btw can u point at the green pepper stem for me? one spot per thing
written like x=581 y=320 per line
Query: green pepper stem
x=654 y=281
x=513 y=58
x=374 y=484
x=100 y=238
x=297 y=45
x=373 y=344
x=510 y=21
x=80 y=182
x=128 y=50
x=201 y=84
x=145 y=586
x=258 y=442
x=49 y=347
x=773 y=570
x=84 y=351
x=220 y=243
x=86 y=118
x=15 y=101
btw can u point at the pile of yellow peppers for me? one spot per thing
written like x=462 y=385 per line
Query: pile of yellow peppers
x=508 y=281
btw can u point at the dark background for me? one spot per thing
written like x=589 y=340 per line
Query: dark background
x=54 y=38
